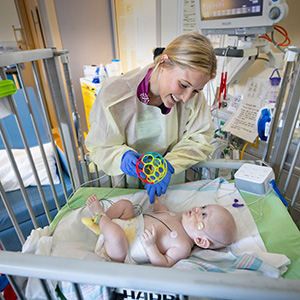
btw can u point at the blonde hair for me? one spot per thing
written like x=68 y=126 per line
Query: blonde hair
x=191 y=50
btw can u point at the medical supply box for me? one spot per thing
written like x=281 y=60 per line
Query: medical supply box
x=89 y=92
x=254 y=179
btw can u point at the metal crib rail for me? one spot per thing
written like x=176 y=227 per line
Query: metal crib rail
x=17 y=173
x=34 y=123
x=53 y=61
x=12 y=216
x=290 y=116
x=48 y=125
x=66 y=129
x=222 y=163
x=18 y=57
x=156 y=279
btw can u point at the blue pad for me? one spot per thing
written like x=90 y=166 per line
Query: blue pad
x=7 y=235
x=10 y=124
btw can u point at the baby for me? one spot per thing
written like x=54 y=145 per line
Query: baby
x=162 y=237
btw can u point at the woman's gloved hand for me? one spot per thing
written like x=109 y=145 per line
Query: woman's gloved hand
x=128 y=162
x=160 y=187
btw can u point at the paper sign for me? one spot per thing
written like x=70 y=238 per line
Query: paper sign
x=243 y=122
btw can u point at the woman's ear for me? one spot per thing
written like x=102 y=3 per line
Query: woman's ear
x=164 y=58
x=202 y=242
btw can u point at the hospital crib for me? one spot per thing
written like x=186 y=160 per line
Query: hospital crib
x=76 y=171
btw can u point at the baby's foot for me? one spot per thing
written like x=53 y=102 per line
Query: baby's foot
x=94 y=205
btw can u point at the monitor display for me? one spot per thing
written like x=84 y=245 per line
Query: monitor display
x=211 y=10
x=238 y=17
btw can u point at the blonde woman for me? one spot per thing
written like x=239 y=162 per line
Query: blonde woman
x=159 y=108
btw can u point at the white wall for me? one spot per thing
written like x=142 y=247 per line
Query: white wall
x=86 y=32
x=8 y=18
x=169 y=21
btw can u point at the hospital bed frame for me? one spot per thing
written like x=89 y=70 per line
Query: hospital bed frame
x=138 y=277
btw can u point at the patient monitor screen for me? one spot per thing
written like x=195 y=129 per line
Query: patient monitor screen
x=223 y=9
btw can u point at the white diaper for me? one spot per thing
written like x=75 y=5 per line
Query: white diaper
x=133 y=228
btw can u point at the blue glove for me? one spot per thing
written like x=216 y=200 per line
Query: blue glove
x=160 y=187
x=128 y=162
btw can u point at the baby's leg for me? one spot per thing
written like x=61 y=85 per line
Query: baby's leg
x=122 y=209
x=116 y=245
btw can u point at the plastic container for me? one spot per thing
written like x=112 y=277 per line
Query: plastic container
x=117 y=66
x=273 y=92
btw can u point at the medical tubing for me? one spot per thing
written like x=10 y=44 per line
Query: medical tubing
x=276 y=44
x=224 y=145
x=223 y=142
x=260 y=213
x=283 y=32
x=90 y=181
x=255 y=145
x=276 y=190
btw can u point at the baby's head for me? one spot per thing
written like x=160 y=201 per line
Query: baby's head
x=210 y=226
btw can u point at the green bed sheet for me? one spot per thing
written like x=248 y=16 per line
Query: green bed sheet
x=276 y=227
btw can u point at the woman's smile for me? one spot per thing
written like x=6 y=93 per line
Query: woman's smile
x=174 y=98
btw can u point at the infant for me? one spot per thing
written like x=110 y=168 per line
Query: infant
x=165 y=237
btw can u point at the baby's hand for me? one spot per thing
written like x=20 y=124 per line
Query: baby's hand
x=149 y=237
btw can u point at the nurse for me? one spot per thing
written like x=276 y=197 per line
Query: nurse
x=159 y=108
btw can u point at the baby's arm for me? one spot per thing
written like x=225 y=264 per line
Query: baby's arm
x=172 y=255
x=158 y=206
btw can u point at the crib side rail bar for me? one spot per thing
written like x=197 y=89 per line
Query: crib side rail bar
x=156 y=279
x=222 y=163
x=290 y=117
x=18 y=175
x=48 y=125
x=64 y=55
x=280 y=100
x=11 y=215
x=38 y=136
x=60 y=103
x=18 y=57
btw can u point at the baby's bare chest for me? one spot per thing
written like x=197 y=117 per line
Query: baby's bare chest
x=168 y=229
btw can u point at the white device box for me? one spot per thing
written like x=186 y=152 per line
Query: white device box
x=254 y=179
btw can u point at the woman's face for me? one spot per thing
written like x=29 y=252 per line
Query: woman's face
x=180 y=84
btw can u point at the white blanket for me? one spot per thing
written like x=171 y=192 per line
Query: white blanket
x=72 y=239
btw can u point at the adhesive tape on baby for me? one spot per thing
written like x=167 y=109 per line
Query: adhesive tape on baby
x=254 y=179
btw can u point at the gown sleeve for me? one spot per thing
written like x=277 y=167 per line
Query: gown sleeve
x=106 y=140
x=194 y=144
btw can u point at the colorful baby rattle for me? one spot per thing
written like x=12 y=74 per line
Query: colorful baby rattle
x=151 y=167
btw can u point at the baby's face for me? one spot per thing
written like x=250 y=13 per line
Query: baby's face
x=200 y=216
x=212 y=221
